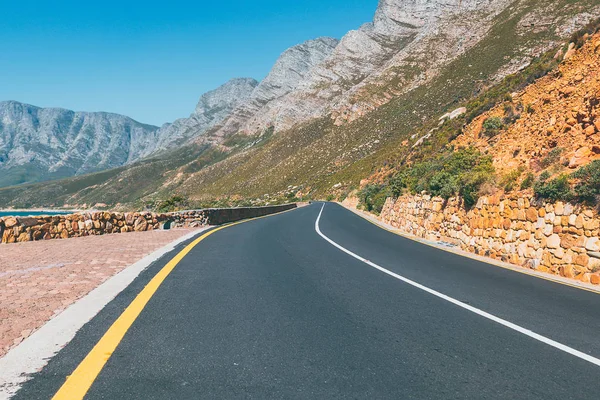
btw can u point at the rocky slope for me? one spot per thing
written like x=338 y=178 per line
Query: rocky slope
x=560 y=113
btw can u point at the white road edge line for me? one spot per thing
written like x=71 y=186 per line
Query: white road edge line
x=33 y=353
x=475 y=310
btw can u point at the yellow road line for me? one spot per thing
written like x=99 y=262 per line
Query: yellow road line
x=79 y=382
x=474 y=256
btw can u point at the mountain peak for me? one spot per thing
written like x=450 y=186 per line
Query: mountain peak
x=227 y=95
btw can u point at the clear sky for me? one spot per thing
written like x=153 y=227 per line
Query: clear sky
x=152 y=60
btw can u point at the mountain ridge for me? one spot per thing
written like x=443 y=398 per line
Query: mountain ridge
x=39 y=144
x=344 y=146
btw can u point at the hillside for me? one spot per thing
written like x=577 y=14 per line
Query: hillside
x=312 y=155
x=559 y=114
x=542 y=140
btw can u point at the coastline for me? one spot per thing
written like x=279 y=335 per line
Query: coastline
x=2 y=210
x=36 y=212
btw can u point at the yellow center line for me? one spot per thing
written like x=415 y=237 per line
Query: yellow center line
x=79 y=382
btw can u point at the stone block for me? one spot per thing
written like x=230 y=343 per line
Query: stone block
x=592 y=244
x=591 y=224
x=581 y=259
x=593 y=264
x=531 y=214
x=553 y=242
x=567 y=271
x=9 y=222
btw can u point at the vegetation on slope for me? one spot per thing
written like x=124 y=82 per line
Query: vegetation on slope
x=579 y=131
x=320 y=159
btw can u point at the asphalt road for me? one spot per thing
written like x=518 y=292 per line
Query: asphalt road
x=268 y=309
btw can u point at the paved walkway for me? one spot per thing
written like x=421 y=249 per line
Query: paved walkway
x=40 y=279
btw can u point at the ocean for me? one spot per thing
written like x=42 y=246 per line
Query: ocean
x=30 y=213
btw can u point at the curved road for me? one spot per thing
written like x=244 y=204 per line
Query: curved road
x=270 y=309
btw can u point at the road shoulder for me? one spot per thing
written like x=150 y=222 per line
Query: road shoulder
x=33 y=353
x=445 y=247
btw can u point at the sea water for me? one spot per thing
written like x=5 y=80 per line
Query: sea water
x=30 y=213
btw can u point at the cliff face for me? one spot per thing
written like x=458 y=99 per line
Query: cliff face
x=290 y=69
x=213 y=107
x=50 y=142
x=407 y=42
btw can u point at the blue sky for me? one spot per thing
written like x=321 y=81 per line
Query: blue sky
x=152 y=60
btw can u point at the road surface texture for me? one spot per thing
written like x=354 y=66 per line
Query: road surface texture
x=40 y=279
x=269 y=309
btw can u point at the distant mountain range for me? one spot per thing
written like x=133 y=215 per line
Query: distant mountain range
x=38 y=144
x=324 y=110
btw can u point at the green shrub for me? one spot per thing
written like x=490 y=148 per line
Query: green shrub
x=415 y=178
x=553 y=190
x=528 y=181
x=492 y=126
x=175 y=203
x=552 y=158
x=509 y=181
x=343 y=196
x=460 y=173
x=372 y=197
x=588 y=188
x=330 y=197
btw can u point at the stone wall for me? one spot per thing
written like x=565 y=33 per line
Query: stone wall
x=556 y=238
x=25 y=229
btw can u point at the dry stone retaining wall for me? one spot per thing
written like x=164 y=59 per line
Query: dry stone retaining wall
x=25 y=229
x=557 y=238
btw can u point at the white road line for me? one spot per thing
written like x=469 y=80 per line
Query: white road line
x=475 y=310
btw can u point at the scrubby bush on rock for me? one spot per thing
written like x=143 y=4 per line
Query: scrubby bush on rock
x=492 y=126
x=461 y=173
x=372 y=197
x=528 y=181
x=588 y=187
x=552 y=158
x=553 y=189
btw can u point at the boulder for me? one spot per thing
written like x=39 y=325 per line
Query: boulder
x=9 y=222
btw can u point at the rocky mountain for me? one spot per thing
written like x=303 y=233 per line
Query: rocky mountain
x=39 y=144
x=290 y=69
x=44 y=143
x=337 y=111
x=213 y=107
x=407 y=44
